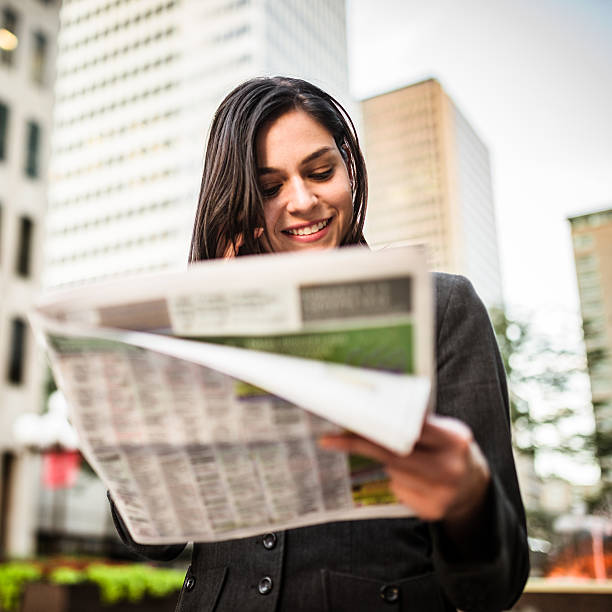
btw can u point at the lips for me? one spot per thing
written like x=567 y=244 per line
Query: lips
x=308 y=229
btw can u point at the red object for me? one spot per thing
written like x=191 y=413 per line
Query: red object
x=60 y=469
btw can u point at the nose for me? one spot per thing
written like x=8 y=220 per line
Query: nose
x=300 y=196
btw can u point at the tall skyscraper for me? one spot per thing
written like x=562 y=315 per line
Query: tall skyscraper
x=592 y=240
x=28 y=30
x=430 y=182
x=137 y=85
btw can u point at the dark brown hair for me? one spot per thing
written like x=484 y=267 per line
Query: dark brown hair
x=230 y=202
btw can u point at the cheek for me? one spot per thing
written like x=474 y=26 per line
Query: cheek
x=270 y=215
x=345 y=201
x=346 y=213
x=269 y=239
x=344 y=193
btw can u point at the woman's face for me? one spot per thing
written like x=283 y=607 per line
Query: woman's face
x=307 y=192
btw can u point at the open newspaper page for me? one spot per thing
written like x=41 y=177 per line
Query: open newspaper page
x=199 y=396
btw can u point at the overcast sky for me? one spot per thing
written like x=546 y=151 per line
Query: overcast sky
x=534 y=78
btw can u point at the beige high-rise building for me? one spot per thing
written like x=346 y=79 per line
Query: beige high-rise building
x=592 y=240
x=430 y=182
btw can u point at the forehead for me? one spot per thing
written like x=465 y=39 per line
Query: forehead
x=291 y=137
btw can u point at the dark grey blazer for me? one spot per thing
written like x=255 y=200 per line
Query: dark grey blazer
x=398 y=564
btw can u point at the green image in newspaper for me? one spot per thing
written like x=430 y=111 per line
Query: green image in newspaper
x=369 y=482
x=387 y=348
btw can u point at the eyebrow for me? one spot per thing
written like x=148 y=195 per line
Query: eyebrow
x=318 y=153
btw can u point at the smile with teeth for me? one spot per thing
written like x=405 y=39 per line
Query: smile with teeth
x=309 y=229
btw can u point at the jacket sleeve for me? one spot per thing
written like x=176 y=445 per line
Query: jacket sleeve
x=162 y=552
x=472 y=387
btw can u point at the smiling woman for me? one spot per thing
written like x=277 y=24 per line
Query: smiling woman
x=283 y=172
x=305 y=184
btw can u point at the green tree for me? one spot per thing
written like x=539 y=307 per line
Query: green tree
x=540 y=372
x=599 y=359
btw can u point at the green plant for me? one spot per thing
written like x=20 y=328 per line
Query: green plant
x=13 y=578
x=166 y=581
x=116 y=582
x=543 y=372
x=133 y=582
x=66 y=575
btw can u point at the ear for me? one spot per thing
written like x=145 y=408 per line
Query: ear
x=347 y=157
x=345 y=152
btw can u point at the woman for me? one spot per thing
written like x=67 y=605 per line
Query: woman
x=284 y=172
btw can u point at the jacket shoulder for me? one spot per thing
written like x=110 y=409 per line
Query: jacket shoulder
x=455 y=289
x=445 y=284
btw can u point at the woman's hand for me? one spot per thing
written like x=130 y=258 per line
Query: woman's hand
x=445 y=477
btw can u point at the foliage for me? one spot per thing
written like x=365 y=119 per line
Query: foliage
x=118 y=582
x=598 y=355
x=541 y=523
x=49 y=387
x=535 y=361
x=13 y=578
x=66 y=575
x=539 y=372
x=133 y=582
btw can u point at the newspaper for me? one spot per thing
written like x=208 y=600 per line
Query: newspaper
x=199 y=395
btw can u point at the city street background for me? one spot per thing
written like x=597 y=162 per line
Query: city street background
x=534 y=80
x=486 y=126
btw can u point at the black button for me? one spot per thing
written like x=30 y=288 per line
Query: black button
x=265 y=585
x=269 y=540
x=189 y=583
x=389 y=593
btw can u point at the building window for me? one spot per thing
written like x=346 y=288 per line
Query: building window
x=587 y=263
x=39 y=57
x=583 y=241
x=33 y=149
x=17 y=351
x=4 y=114
x=24 y=246
x=8 y=36
x=7 y=474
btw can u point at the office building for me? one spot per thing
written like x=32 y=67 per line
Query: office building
x=28 y=31
x=137 y=85
x=592 y=241
x=430 y=182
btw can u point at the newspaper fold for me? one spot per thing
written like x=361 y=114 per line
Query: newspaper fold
x=199 y=395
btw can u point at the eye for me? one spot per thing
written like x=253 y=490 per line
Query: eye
x=322 y=176
x=271 y=191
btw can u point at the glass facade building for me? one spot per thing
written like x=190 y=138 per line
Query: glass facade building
x=137 y=86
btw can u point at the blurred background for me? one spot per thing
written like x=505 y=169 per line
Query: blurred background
x=487 y=131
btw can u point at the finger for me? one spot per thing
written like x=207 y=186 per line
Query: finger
x=421 y=504
x=403 y=479
x=421 y=461
x=405 y=496
x=422 y=464
x=440 y=431
x=352 y=443
x=410 y=496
